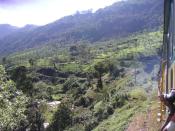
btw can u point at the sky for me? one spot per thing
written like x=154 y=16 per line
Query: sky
x=41 y=12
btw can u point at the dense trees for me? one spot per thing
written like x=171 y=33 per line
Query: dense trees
x=23 y=82
x=62 y=118
x=93 y=92
x=34 y=117
x=12 y=104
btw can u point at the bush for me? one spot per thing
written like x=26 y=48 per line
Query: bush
x=110 y=110
x=91 y=125
x=84 y=101
x=98 y=106
x=139 y=94
x=102 y=111
x=69 y=84
x=115 y=70
x=77 y=92
x=119 y=101
x=42 y=91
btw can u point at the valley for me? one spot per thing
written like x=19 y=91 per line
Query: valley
x=102 y=83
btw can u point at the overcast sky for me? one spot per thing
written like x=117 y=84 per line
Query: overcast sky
x=41 y=12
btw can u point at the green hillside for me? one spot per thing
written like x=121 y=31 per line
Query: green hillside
x=94 y=82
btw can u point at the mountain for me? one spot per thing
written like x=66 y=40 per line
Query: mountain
x=118 y=20
x=29 y=27
x=6 y=29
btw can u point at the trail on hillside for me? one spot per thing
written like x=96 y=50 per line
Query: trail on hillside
x=145 y=121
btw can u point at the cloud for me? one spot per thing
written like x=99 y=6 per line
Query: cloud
x=41 y=12
x=7 y=3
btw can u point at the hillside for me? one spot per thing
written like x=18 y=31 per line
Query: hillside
x=6 y=29
x=95 y=83
x=118 y=20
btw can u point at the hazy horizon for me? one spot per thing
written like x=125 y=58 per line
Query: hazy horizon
x=42 y=12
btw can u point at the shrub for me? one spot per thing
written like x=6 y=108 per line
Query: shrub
x=119 y=101
x=42 y=91
x=84 y=101
x=69 y=84
x=110 y=110
x=77 y=92
x=139 y=94
x=89 y=126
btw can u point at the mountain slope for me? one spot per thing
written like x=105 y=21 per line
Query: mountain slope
x=6 y=29
x=120 y=19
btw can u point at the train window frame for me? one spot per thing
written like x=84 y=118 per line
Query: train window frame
x=172 y=48
x=172 y=79
x=171 y=34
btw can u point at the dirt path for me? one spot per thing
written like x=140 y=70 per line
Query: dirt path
x=145 y=121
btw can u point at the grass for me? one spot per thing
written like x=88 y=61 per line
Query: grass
x=72 y=67
x=57 y=97
x=121 y=117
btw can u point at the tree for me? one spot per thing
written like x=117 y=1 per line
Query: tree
x=115 y=70
x=4 y=60
x=50 y=91
x=100 y=69
x=70 y=84
x=54 y=62
x=74 y=50
x=23 y=82
x=12 y=105
x=34 y=117
x=62 y=118
x=31 y=62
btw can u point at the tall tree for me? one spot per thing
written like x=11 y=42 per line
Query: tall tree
x=100 y=69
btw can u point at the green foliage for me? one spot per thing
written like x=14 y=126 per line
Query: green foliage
x=23 y=82
x=34 y=117
x=12 y=104
x=70 y=84
x=100 y=68
x=62 y=118
x=116 y=71
x=31 y=62
x=58 y=74
x=42 y=91
x=138 y=93
x=109 y=65
x=119 y=120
